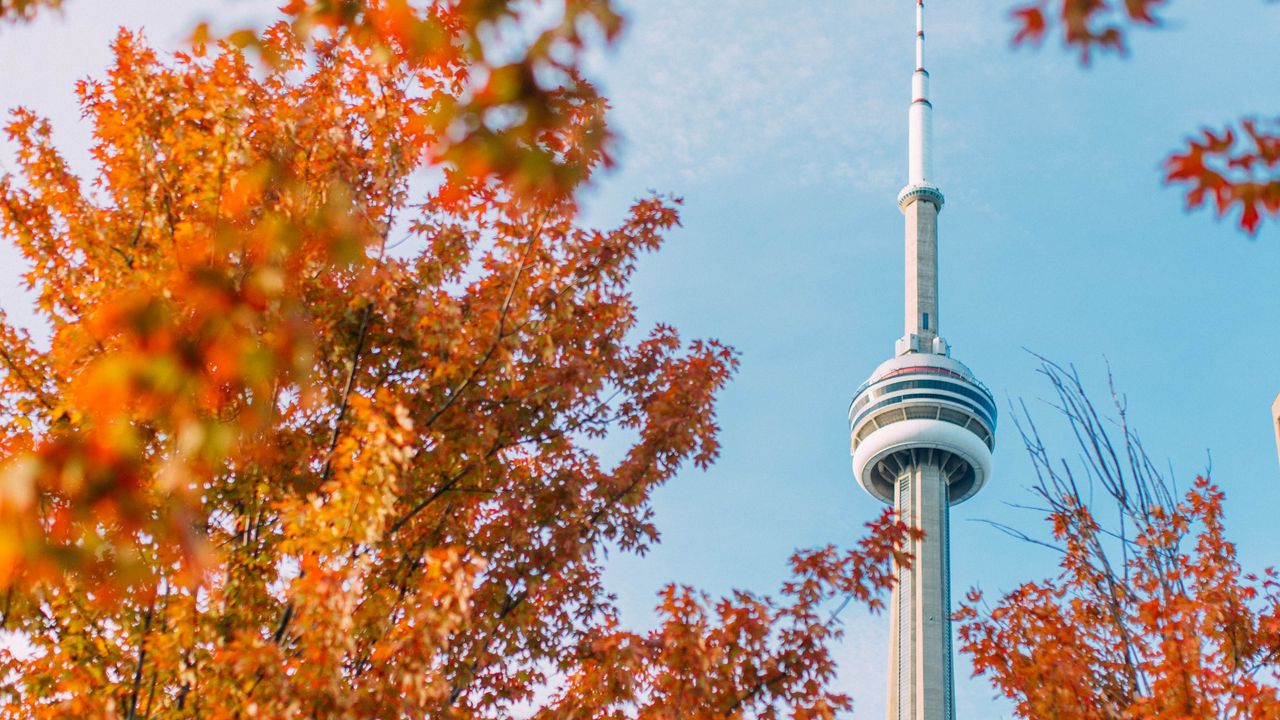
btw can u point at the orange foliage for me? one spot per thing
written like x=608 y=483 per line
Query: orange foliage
x=315 y=430
x=1087 y=25
x=1151 y=615
x=741 y=656
x=24 y=10
x=1238 y=168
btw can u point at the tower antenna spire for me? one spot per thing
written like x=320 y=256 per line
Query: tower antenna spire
x=921 y=117
x=919 y=34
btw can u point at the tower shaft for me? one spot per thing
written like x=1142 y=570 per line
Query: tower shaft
x=920 y=673
x=921 y=276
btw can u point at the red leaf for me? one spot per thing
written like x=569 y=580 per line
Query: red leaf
x=1032 y=25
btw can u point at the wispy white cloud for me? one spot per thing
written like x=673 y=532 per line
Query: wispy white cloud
x=863 y=657
x=761 y=87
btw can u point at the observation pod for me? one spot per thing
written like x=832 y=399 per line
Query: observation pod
x=922 y=409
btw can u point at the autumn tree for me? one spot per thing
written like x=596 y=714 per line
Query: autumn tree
x=1236 y=167
x=1150 y=614
x=14 y=11
x=315 y=430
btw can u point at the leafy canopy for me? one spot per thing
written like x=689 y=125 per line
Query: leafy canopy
x=1150 y=614
x=318 y=427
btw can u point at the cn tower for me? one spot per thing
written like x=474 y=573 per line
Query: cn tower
x=922 y=430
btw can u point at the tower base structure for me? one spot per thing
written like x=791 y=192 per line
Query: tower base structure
x=920 y=688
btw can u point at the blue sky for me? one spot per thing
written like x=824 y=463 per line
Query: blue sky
x=783 y=126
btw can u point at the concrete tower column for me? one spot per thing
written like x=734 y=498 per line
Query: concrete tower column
x=920 y=677
x=922 y=272
x=922 y=430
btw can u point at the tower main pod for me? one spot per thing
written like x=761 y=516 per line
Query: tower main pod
x=922 y=430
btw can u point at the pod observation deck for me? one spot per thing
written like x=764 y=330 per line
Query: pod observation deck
x=922 y=408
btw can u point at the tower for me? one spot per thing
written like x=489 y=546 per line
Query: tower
x=922 y=429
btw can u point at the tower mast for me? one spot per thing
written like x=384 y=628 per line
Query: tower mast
x=920 y=201
x=920 y=161
x=922 y=431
